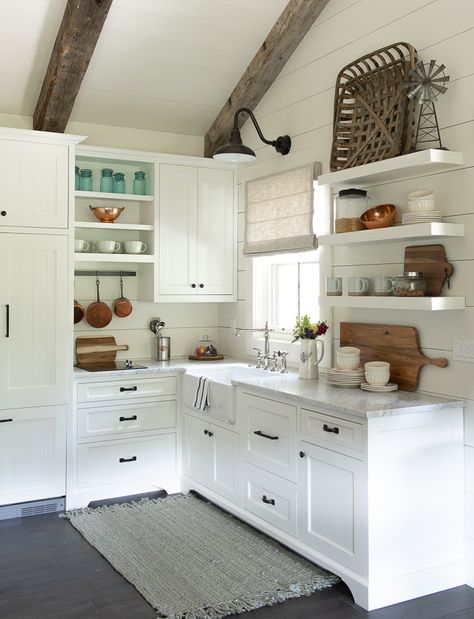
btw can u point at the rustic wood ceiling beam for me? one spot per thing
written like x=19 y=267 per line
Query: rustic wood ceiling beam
x=75 y=43
x=281 y=42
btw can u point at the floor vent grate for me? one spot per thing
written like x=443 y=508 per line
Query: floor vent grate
x=32 y=508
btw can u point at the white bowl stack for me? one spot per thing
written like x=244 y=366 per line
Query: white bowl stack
x=348 y=372
x=421 y=208
x=377 y=375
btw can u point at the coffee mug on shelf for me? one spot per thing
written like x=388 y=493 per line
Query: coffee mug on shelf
x=108 y=247
x=81 y=245
x=135 y=247
x=333 y=286
x=357 y=286
x=383 y=286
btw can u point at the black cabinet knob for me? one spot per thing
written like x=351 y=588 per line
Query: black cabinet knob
x=210 y=433
x=201 y=285
x=3 y=213
x=302 y=454
x=193 y=285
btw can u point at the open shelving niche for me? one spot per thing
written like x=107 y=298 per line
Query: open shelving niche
x=412 y=165
x=136 y=222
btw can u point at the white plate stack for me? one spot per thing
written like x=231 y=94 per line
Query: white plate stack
x=420 y=217
x=345 y=378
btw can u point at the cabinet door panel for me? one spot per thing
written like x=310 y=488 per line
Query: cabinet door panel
x=331 y=514
x=215 y=232
x=196 y=449
x=177 y=230
x=32 y=454
x=224 y=454
x=33 y=283
x=34 y=184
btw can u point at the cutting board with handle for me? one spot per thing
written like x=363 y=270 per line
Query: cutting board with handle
x=397 y=344
x=431 y=260
x=97 y=350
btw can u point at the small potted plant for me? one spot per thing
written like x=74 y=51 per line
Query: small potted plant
x=307 y=333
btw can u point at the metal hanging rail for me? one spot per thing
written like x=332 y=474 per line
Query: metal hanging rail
x=94 y=273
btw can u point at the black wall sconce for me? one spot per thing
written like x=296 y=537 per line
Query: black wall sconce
x=236 y=151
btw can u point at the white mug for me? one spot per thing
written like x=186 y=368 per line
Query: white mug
x=81 y=245
x=108 y=247
x=333 y=286
x=135 y=247
x=358 y=286
x=383 y=286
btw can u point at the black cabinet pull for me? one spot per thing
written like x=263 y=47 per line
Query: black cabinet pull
x=193 y=285
x=128 y=388
x=263 y=435
x=132 y=459
x=210 y=433
x=132 y=418
x=334 y=430
x=206 y=431
x=302 y=454
x=7 y=319
x=5 y=420
x=268 y=501
x=3 y=213
x=201 y=285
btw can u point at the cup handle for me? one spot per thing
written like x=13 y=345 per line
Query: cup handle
x=390 y=288
x=86 y=246
x=116 y=247
x=322 y=351
x=365 y=284
x=338 y=285
x=143 y=249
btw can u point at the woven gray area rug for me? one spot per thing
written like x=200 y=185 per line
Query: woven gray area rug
x=191 y=560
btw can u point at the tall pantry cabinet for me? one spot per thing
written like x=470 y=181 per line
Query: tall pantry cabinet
x=36 y=172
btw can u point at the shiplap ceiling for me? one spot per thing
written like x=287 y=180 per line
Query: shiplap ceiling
x=162 y=65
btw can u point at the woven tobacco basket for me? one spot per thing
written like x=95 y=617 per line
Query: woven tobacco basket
x=373 y=117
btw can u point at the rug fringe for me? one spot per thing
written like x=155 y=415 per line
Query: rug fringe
x=121 y=506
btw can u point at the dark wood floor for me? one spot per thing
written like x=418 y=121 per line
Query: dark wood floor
x=47 y=571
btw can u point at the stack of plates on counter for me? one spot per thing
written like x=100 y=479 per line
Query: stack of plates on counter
x=420 y=217
x=345 y=378
x=379 y=388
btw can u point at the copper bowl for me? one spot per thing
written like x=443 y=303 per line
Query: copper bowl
x=380 y=216
x=106 y=214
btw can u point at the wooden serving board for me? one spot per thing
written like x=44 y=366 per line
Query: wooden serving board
x=206 y=357
x=431 y=260
x=398 y=345
x=97 y=350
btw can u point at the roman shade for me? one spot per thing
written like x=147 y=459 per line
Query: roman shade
x=279 y=213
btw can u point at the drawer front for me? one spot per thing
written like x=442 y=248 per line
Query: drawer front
x=125 y=460
x=126 y=389
x=338 y=434
x=270 y=498
x=117 y=420
x=270 y=435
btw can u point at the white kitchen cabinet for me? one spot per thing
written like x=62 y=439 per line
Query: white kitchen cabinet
x=35 y=320
x=32 y=453
x=33 y=183
x=196 y=234
x=211 y=456
x=331 y=505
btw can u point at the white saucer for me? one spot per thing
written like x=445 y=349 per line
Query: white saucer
x=379 y=388
x=344 y=385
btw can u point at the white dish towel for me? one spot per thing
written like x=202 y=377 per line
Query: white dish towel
x=202 y=398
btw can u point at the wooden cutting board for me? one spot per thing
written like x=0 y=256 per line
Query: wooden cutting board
x=431 y=260
x=398 y=345
x=97 y=350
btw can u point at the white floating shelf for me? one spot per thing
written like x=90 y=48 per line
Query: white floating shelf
x=405 y=166
x=114 y=226
x=102 y=195
x=393 y=234
x=85 y=257
x=408 y=303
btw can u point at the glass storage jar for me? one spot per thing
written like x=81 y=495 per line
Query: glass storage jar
x=85 y=180
x=205 y=347
x=119 y=183
x=409 y=284
x=139 y=184
x=106 y=180
x=350 y=204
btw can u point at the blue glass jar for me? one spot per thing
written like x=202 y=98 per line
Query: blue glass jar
x=106 y=180
x=139 y=184
x=119 y=183
x=85 y=180
x=76 y=178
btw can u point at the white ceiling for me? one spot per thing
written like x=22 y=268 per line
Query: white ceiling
x=163 y=65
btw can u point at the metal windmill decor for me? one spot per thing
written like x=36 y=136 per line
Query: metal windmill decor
x=424 y=84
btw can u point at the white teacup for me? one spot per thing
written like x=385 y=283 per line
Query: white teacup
x=333 y=286
x=81 y=245
x=135 y=247
x=108 y=247
x=357 y=286
x=348 y=358
x=377 y=372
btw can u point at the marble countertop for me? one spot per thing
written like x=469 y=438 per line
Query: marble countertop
x=303 y=392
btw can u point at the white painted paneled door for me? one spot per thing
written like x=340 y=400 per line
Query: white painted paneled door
x=33 y=320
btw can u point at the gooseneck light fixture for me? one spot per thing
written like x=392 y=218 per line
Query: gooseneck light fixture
x=236 y=151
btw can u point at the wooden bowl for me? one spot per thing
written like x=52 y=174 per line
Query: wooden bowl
x=106 y=214
x=380 y=216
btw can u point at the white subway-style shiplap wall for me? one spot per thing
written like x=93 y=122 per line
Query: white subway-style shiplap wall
x=300 y=103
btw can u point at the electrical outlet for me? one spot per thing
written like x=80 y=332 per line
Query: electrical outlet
x=463 y=350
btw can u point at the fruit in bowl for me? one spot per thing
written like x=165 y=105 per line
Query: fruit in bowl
x=106 y=214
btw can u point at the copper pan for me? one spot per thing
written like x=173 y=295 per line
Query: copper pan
x=98 y=314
